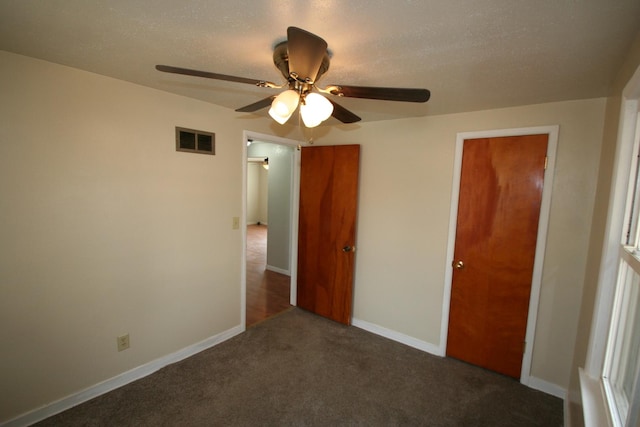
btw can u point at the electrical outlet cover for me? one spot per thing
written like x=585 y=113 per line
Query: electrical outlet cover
x=123 y=342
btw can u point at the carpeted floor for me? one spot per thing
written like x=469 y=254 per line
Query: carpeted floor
x=298 y=369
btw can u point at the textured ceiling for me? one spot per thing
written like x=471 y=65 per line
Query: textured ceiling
x=472 y=55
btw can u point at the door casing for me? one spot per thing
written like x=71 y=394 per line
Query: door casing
x=295 y=201
x=552 y=132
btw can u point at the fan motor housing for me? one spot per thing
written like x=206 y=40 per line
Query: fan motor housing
x=281 y=61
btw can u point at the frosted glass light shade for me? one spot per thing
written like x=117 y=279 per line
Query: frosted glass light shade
x=315 y=109
x=284 y=105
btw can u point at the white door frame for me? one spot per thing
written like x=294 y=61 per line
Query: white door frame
x=552 y=132
x=295 y=202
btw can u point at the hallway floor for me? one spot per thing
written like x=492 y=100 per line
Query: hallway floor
x=267 y=291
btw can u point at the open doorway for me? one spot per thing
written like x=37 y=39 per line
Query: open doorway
x=270 y=219
x=268 y=292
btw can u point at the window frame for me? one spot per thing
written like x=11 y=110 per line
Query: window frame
x=613 y=251
x=629 y=263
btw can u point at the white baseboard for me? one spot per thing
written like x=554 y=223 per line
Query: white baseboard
x=547 y=387
x=534 y=383
x=278 y=270
x=106 y=386
x=142 y=371
x=396 y=336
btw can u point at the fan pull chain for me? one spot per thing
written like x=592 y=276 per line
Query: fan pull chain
x=302 y=127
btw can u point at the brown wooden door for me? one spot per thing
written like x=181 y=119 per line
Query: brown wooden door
x=497 y=225
x=326 y=231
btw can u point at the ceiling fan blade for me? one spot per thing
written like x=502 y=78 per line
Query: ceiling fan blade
x=306 y=52
x=206 y=74
x=342 y=114
x=256 y=105
x=382 y=93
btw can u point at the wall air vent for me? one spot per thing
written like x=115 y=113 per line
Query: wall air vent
x=195 y=141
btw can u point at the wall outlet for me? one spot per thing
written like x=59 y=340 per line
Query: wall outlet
x=236 y=223
x=123 y=342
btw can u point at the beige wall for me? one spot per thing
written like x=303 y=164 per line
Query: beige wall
x=257 y=193
x=406 y=178
x=105 y=229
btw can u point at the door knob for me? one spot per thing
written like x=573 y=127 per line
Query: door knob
x=458 y=265
x=348 y=249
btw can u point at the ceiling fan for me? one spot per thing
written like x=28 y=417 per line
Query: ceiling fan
x=302 y=60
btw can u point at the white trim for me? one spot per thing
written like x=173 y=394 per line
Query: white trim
x=541 y=244
x=547 y=387
x=451 y=243
x=545 y=207
x=295 y=215
x=243 y=235
x=278 y=270
x=593 y=402
x=120 y=380
x=295 y=198
x=396 y=336
x=534 y=383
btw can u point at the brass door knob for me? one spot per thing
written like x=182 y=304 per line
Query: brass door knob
x=458 y=265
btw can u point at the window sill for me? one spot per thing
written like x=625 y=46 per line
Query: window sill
x=594 y=406
x=631 y=255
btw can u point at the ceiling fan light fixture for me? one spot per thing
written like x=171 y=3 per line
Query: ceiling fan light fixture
x=302 y=60
x=315 y=109
x=284 y=105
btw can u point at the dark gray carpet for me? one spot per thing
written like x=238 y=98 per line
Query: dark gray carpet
x=303 y=370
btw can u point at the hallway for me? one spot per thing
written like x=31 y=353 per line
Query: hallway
x=267 y=291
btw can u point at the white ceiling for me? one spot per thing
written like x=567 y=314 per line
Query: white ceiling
x=472 y=55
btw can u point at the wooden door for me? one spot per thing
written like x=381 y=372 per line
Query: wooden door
x=326 y=231
x=497 y=226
